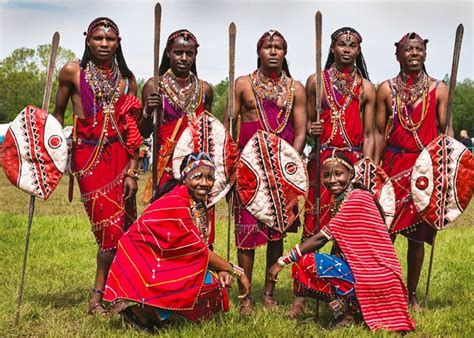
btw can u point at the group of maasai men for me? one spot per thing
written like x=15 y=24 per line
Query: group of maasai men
x=163 y=263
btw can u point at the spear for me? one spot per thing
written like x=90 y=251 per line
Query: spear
x=46 y=98
x=449 y=113
x=317 y=188
x=157 y=115
x=230 y=112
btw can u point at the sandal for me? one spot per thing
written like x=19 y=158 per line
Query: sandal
x=97 y=309
x=344 y=322
x=268 y=302
x=246 y=307
x=131 y=318
x=296 y=310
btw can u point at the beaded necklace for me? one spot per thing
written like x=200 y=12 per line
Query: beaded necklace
x=340 y=199
x=183 y=93
x=346 y=85
x=200 y=219
x=105 y=86
x=406 y=95
x=265 y=88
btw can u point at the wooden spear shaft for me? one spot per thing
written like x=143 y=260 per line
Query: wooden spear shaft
x=46 y=99
x=230 y=113
x=157 y=114
x=317 y=139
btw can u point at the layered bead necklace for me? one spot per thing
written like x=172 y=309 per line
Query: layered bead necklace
x=105 y=85
x=272 y=90
x=183 y=93
x=407 y=95
x=200 y=219
x=340 y=199
x=345 y=84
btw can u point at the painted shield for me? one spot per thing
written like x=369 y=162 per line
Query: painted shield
x=442 y=181
x=270 y=178
x=379 y=184
x=35 y=152
x=207 y=134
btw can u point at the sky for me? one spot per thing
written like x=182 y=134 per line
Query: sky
x=381 y=23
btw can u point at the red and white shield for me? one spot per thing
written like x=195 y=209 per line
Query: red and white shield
x=378 y=183
x=442 y=181
x=270 y=178
x=35 y=152
x=207 y=134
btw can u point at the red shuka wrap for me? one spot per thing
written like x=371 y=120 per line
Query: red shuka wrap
x=162 y=261
x=362 y=236
x=398 y=162
x=347 y=139
x=100 y=159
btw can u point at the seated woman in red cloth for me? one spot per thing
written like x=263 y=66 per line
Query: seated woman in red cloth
x=363 y=273
x=163 y=264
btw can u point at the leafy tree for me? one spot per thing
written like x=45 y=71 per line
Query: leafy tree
x=219 y=103
x=463 y=107
x=23 y=76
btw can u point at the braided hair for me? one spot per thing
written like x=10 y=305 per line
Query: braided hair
x=86 y=57
x=360 y=61
x=165 y=60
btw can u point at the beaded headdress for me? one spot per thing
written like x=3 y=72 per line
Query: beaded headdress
x=194 y=161
x=102 y=21
x=338 y=159
x=270 y=34
x=187 y=35
x=349 y=31
x=407 y=37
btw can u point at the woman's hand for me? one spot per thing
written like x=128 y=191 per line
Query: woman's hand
x=225 y=279
x=272 y=274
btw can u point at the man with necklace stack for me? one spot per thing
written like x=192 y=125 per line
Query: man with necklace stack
x=346 y=125
x=270 y=100
x=105 y=140
x=411 y=111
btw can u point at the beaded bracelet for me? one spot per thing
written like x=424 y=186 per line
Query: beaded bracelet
x=291 y=257
x=132 y=173
x=235 y=271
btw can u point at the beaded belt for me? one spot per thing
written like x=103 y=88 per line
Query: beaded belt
x=95 y=142
x=397 y=150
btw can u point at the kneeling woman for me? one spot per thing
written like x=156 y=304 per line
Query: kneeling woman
x=163 y=264
x=363 y=273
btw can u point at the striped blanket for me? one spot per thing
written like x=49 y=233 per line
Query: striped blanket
x=362 y=235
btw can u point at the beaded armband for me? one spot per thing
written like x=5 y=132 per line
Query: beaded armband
x=235 y=271
x=291 y=257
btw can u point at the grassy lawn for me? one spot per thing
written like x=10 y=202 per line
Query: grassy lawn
x=61 y=267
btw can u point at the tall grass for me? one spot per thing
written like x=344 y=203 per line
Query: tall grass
x=61 y=268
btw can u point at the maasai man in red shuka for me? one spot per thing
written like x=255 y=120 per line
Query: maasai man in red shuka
x=363 y=272
x=163 y=264
x=411 y=111
x=105 y=139
x=182 y=97
x=270 y=100
x=348 y=102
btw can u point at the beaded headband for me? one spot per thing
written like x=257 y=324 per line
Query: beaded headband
x=346 y=31
x=202 y=159
x=334 y=158
x=270 y=34
x=187 y=35
x=103 y=21
x=407 y=37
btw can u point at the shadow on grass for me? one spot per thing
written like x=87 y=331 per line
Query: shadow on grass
x=63 y=299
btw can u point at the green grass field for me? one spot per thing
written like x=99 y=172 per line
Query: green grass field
x=61 y=267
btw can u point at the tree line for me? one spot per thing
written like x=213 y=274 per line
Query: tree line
x=23 y=74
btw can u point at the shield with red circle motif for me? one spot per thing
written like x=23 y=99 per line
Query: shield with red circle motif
x=207 y=134
x=442 y=181
x=270 y=178
x=35 y=152
x=378 y=183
